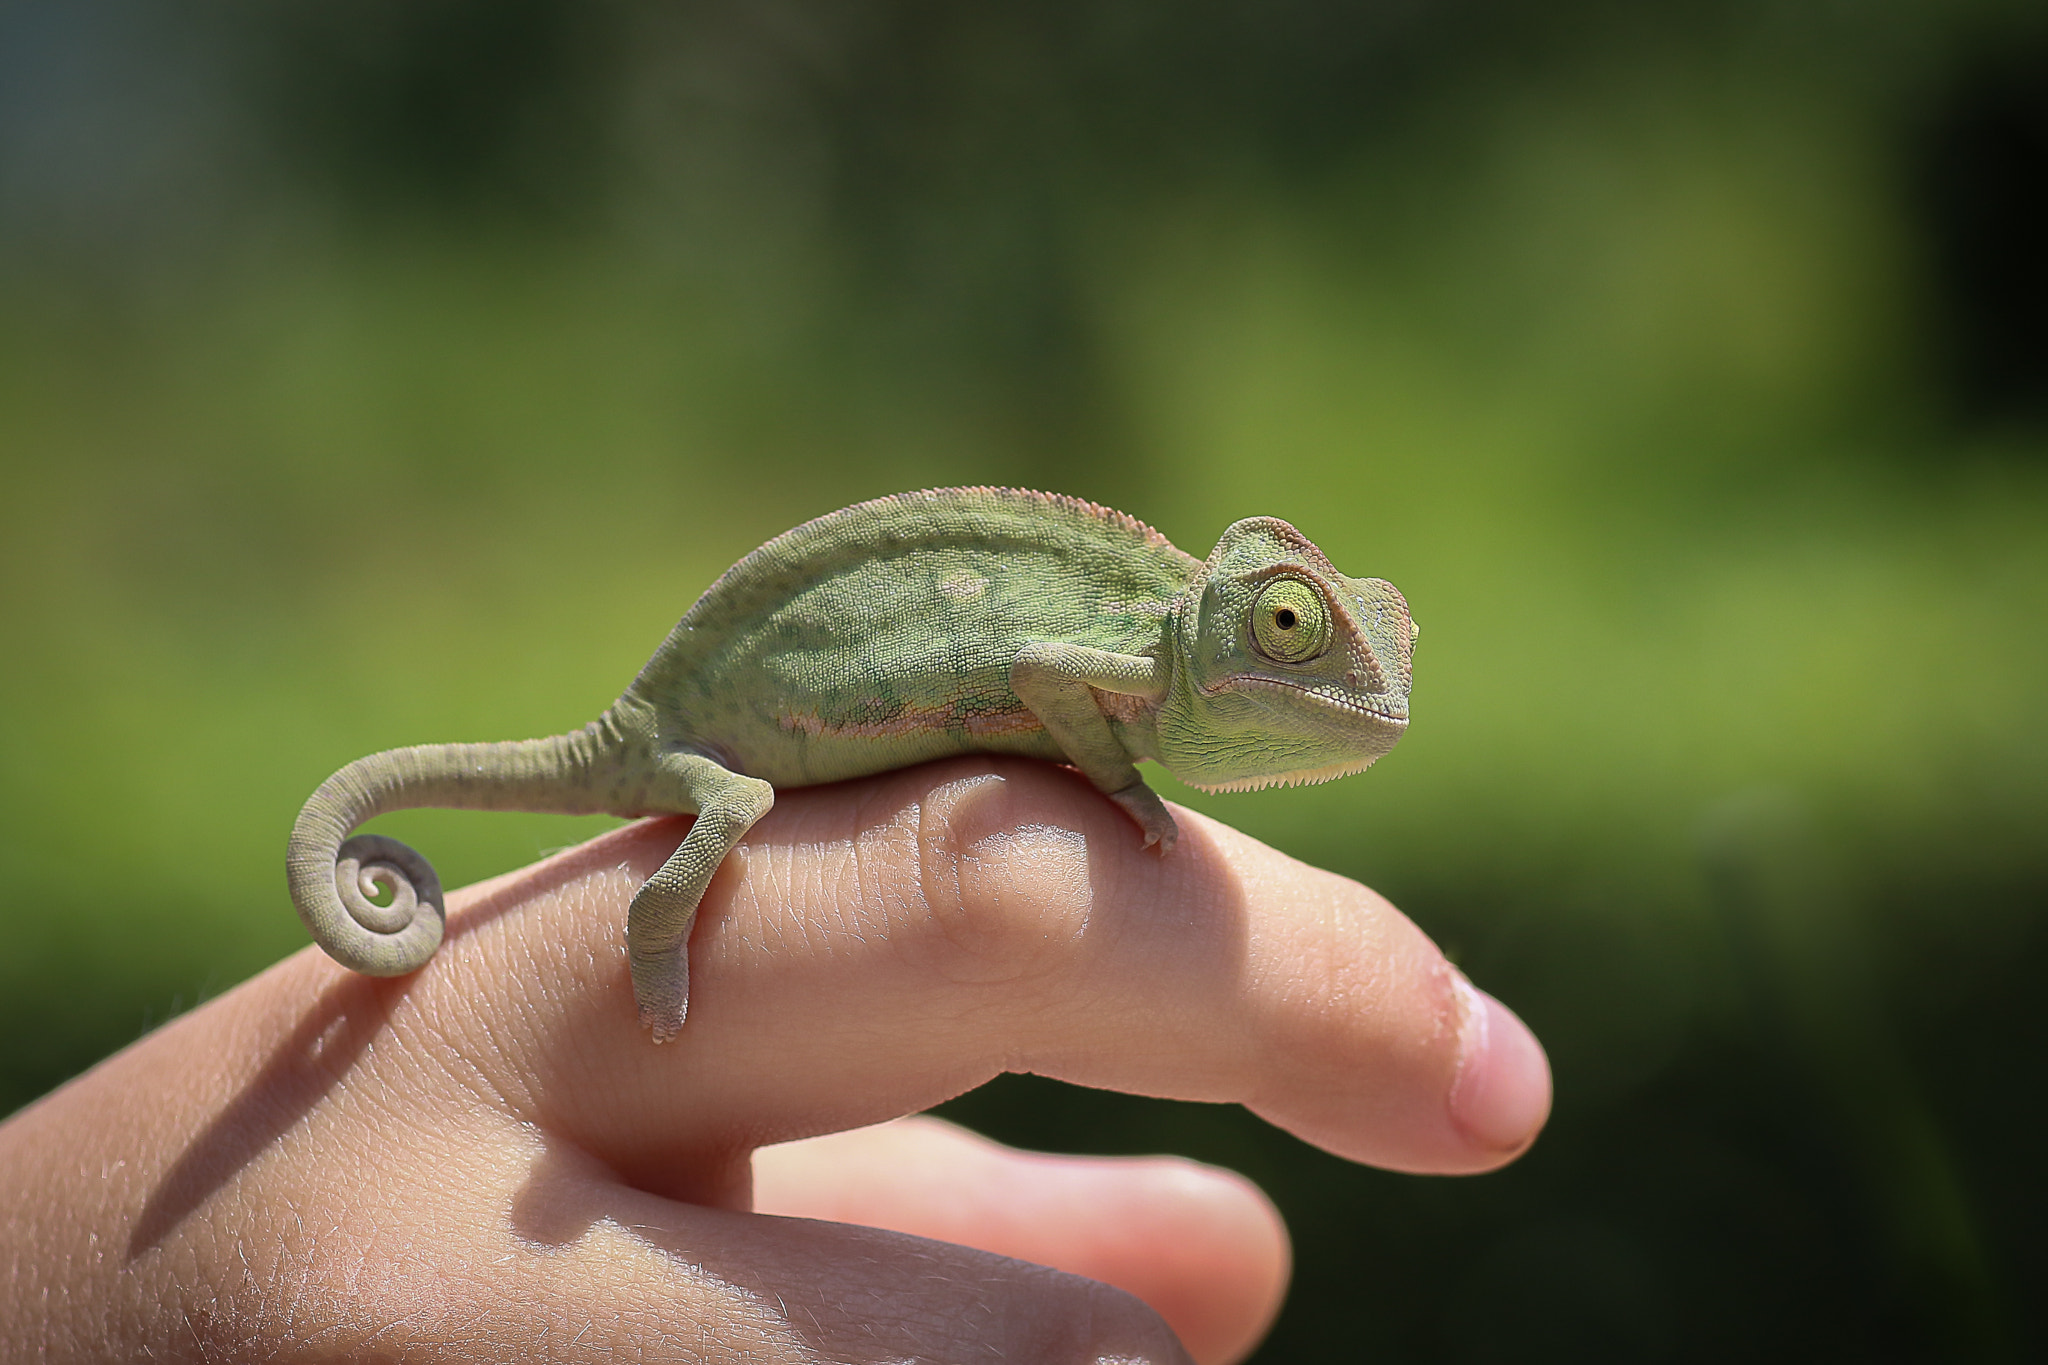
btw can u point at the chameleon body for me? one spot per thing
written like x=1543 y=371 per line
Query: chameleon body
x=885 y=634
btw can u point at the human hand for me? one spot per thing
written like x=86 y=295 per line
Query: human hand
x=489 y=1161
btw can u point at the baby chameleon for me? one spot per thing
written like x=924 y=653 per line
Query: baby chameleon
x=959 y=620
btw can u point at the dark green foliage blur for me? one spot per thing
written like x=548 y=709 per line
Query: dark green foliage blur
x=398 y=370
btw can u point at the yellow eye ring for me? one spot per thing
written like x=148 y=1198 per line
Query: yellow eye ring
x=1290 y=622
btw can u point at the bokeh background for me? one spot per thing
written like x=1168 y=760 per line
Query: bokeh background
x=384 y=371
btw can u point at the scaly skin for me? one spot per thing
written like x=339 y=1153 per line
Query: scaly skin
x=960 y=620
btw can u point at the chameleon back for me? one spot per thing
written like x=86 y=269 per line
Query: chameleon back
x=883 y=634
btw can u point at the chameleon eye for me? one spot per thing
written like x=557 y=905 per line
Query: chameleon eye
x=1290 y=622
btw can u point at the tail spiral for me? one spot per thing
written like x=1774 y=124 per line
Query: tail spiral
x=333 y=876
x=393 y=939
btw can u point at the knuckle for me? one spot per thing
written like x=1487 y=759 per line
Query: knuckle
x=1007 y=883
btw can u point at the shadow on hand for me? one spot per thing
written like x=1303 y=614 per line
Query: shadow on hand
x=302 y=1070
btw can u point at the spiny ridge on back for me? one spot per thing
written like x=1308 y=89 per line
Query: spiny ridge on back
x=1123 y=521
x=1022 y=500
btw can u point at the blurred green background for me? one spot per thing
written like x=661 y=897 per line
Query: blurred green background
x=398 y=370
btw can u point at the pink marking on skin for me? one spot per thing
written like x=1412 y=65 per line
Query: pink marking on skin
x=1121 y=706
x=1018 y=722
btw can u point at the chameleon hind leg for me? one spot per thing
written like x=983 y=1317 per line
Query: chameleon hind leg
x=1058 y=681
x=665 y=907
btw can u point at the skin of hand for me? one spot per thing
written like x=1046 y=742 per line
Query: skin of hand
x=485 y=1161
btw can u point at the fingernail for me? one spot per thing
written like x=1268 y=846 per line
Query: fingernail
x=1502 y=1094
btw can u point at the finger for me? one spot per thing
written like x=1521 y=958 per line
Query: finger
x=1204 y=1247
x=876 y=947
x=597 y=1270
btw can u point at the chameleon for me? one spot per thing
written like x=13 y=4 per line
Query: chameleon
x=888 y=633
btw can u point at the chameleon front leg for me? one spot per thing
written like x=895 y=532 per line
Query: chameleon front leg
x=1057 y=681
x=663 y=910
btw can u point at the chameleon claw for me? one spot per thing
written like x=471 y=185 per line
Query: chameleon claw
x=663 y=991
x=1143 y=805
x=663 y=1026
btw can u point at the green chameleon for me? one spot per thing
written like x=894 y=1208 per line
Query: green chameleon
x=959 y=620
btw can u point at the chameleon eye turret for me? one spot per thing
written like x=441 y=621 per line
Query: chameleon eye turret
x=1290 y=622
x=957 y=620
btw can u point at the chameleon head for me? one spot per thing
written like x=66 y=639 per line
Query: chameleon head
x=1288 y=671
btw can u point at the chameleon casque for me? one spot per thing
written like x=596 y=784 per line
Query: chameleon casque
x=958 y=620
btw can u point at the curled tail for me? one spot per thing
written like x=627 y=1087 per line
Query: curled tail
x=333 y=876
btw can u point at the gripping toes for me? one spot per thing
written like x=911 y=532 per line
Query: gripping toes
x=1142 y=804
x=661 y=986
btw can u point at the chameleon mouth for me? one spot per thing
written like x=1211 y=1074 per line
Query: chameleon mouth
x=1389 y=712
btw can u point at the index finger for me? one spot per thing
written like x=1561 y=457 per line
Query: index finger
x=874 y=948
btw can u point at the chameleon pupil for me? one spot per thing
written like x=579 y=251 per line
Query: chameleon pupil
x=1284 y=619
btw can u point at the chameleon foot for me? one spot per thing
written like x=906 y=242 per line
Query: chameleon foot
x=662 y=988
x=1142 y=804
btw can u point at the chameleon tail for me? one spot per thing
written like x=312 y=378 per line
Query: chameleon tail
x=332 y=876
